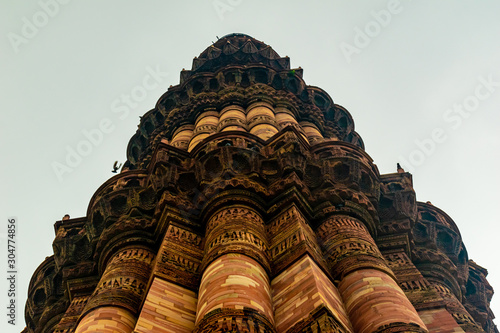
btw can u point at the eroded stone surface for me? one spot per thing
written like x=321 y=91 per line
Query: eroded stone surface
x=248 y=204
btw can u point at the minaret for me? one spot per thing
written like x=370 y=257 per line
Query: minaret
x=248 y=204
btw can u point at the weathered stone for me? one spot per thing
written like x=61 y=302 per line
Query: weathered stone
x=248 y=204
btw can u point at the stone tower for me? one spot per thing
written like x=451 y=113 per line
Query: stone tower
x=248 y=204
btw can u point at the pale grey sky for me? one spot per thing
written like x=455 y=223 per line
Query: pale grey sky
x=429 y=66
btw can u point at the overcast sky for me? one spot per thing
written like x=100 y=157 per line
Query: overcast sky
x=420 y=78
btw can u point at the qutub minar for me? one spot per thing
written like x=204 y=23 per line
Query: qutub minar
x=248 y=204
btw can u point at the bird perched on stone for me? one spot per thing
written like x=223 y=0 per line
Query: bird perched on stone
x=400 y=169
x=116 y=167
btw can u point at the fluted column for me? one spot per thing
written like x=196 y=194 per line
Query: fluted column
x=114 y=305
x=284 y=117
x=313 y=134
x=456 y=308
x=374 y=301
x=182 y=136
x=235 y=289
x=261 y=120
x=232 y=118
x=205 y=125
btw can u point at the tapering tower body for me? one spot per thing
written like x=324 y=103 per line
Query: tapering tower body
x=248 y=204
